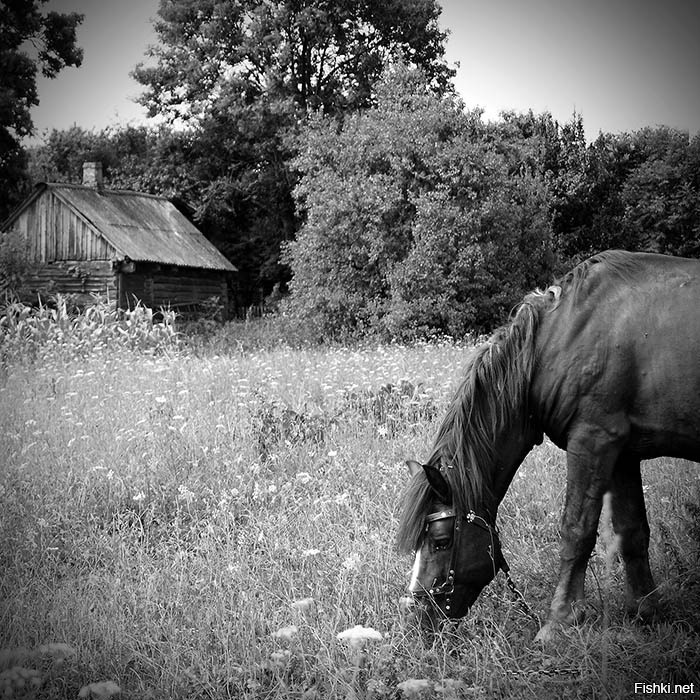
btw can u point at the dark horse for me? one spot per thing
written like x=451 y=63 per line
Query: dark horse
x=606 y=363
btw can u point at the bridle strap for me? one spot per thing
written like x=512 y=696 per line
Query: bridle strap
x=447 y=587
x=441 y=515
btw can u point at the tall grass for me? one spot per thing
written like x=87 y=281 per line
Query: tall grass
x=204 y=523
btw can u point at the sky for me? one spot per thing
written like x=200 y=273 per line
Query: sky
x=620 y=64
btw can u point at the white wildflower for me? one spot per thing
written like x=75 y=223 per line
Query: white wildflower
x=286 y=633
x=357 y=636
x=415 y=687
x=351 y=563
x=280 y=658
x=304 y=604
x=99 y=691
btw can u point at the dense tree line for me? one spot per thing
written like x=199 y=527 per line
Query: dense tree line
x=321 y=146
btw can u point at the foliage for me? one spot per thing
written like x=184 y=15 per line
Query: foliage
x=398 y=212
x=52 y=36
x=63 y=330
x=637 y=191
x=14 y=262
x=415 y=222
x=241 y=73
x=222 y=56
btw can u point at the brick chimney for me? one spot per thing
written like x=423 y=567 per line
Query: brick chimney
x=92 y=175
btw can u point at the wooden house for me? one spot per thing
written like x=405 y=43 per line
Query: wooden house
x=131 y=247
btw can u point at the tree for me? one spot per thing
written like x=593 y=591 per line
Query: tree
x=414 y=221
x=29 y=41
x=660 y=195
x=243 y=73
x=313 y=53
x=638 y=191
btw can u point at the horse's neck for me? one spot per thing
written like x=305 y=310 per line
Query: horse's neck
x=513 y=447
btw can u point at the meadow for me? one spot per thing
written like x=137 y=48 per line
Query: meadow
x=203 y=517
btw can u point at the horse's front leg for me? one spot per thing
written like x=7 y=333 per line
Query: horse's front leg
x=589 y=469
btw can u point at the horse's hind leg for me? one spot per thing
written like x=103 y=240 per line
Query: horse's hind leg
x=629 y=519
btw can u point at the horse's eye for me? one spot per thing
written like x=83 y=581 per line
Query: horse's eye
x=441 y=544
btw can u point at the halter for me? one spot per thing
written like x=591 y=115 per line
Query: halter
x=447 y=587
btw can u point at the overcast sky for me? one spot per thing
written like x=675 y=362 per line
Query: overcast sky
x=621 y=64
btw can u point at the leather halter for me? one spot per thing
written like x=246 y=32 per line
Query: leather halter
x=447 y=587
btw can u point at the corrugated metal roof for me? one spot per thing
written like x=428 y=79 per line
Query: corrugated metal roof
x=143 y=227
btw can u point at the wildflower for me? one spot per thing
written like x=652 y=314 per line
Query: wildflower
x=279 y=659
x=333 y=453
x=351 y=563
x=184 y=493
x=357 y=636
x=99 y=691
x=140 y=496
x=286 y=633
x=57 y=651
x=161 y=399
x=303 y=477
x=304 y=604
x=415 y=687
x=342 y=499
x=310 y=552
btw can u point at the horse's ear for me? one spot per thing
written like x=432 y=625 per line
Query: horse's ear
x=438 y=483
x=414 y=467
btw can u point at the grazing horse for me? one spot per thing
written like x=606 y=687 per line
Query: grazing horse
x=606 y=363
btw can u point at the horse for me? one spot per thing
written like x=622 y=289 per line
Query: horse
x=604 y=363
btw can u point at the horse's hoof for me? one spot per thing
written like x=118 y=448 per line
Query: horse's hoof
x=549 y=633
x=546 y=635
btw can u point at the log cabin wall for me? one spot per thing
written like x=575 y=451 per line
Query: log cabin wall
x=179 y=288
x=82 y=279
x=190 y=287
x=125 y=246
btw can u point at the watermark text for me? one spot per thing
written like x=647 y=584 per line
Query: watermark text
x=668 y=688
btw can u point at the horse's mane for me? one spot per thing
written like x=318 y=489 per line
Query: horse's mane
x=492 y=397
x=492 y=393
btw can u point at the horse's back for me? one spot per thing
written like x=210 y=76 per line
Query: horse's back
x=619 y=351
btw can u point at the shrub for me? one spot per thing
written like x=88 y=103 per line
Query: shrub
x=13 y=261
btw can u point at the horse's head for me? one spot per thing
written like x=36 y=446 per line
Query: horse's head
x=457 y=554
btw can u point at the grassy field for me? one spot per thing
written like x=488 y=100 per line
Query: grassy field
x=203 y=520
